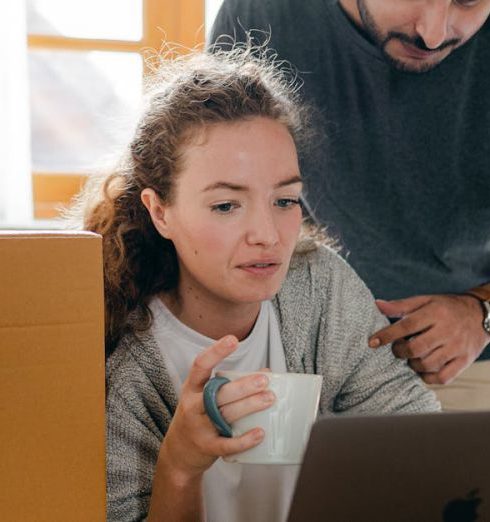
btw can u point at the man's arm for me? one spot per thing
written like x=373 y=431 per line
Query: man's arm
x=440 y=335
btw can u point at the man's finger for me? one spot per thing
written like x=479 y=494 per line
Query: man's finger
x=417 y=346
x=408 y=326
x=432 y=363
x=402 y=307
x=204 y=363
x=447 y=373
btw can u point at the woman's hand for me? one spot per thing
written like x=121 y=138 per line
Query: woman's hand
x=192 y=443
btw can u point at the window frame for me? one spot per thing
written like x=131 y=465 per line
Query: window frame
x=176 y=21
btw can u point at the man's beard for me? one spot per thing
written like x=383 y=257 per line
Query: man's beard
x=382 y=41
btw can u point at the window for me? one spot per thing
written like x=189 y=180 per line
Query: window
x=85 y=70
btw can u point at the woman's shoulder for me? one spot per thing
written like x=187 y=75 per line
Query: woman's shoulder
x=319 y=261
x=319 y=274
x=133 y=360
x=121 y=360
x=136 y=367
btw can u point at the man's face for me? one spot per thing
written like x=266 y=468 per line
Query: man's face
x=416 y=35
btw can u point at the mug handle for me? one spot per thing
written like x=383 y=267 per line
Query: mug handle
x=209 y=397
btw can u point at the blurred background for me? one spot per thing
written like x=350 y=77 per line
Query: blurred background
x=70 y=86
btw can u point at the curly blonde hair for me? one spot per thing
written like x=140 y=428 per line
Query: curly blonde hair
x=183 y=94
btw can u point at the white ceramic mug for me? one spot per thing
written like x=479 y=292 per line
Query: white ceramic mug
x=287 y=423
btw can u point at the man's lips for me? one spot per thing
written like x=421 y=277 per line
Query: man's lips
x=419 y=54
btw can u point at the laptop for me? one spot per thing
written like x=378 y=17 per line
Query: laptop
x=400 y=468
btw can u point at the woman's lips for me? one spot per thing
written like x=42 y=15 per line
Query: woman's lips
x=260 y=269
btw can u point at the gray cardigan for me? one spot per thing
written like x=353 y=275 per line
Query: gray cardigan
x=326 y=314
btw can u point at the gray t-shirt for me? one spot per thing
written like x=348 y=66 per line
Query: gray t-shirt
x=403 y=178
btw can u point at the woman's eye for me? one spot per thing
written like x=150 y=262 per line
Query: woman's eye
x=467 y=3
x=224 y=208
x=287 y=202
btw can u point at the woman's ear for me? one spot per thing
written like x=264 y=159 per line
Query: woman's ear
x=157 y=211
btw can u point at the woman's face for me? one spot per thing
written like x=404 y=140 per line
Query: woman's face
x=235 y=215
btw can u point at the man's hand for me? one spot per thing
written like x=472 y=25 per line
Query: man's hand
x=440 y=335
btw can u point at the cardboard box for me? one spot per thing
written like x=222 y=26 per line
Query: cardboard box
x=52 y=441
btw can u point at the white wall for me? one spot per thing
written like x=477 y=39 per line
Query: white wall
x=16 y=207
x=212 y=7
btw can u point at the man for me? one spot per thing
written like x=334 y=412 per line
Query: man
x=403 y=92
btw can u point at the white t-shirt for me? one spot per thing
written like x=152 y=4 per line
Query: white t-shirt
x=232 y=492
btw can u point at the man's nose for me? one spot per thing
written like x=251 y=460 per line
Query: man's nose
x=262 y=229
x=432 y=23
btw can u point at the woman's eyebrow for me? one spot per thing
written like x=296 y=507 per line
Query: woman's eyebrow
x=234 y=186
x=224 y=185
x=289 y=181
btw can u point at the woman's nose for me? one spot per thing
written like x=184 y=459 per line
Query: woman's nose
x=262 y=229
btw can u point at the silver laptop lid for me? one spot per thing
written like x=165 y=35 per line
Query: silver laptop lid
x=430 y=467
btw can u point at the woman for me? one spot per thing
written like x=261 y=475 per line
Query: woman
x=204 y=270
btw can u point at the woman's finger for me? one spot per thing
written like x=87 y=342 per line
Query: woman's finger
x=241 y=388
x=223 y=446
x=238 y=409
x=204 y=363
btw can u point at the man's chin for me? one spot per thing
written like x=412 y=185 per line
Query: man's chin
x=413 y=66
x=403 y=60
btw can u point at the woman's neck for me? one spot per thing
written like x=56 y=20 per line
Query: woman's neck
x=212 y=319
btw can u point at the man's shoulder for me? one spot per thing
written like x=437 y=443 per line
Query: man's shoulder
x=270 y=8
x=299 y=32
x=271 y=16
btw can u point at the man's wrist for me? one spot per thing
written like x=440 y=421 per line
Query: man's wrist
x=482 y=292
x=482 y=295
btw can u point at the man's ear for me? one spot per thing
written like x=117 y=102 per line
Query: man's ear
x=157 y=211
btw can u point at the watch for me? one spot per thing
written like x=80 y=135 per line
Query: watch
x=486 y=315
x=484 y=299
